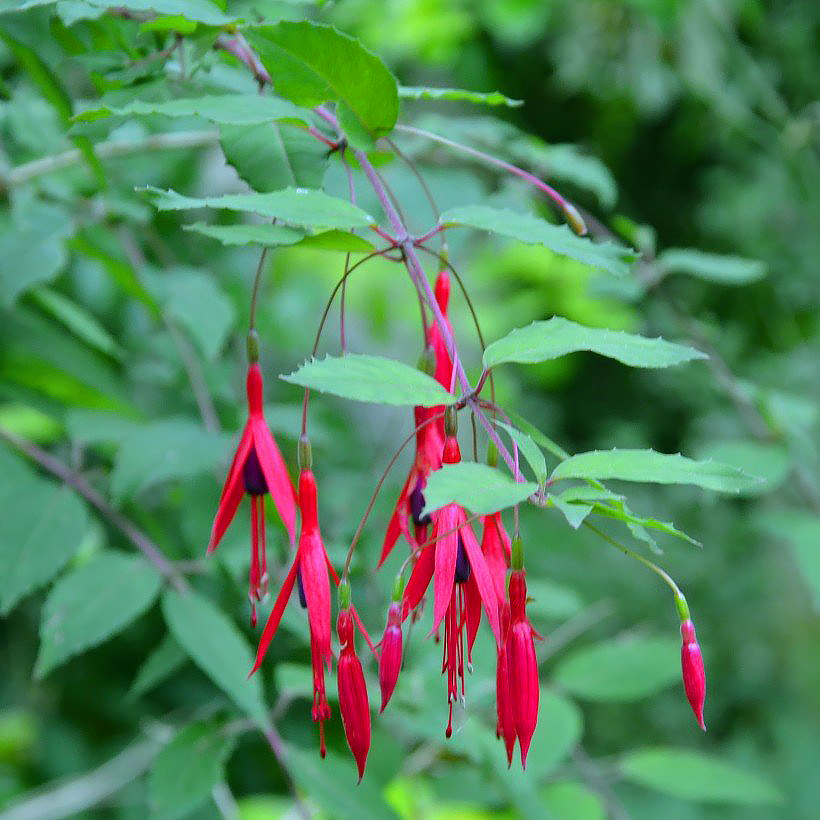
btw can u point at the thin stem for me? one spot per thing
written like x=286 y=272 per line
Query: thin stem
x=256 y=281
x=375 y=495
x=277 y=746
x=108 y=150
x=568 y=210
x=137 y=537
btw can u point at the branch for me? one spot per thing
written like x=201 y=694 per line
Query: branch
x=127 y=527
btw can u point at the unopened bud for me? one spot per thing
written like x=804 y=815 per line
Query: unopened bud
x=694 y=674
x=450 y=421
x=305 y=454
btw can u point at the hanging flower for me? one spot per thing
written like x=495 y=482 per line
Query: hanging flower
x=257 y=469
x=522 y=665
x=353 y=702
x=435 y=362
x=505 y=713
x=310 y=572
x=390 y=653
x=694 y=675
x=462 y=583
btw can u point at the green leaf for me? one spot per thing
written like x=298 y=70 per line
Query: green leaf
x=186 y=770
x=200 y=11
x=295 y=206
x=91 y=603
x=163 y=661
x=551 y=600
x=725 y=270
x=407 y=92
x=312 y=64
x=697 y=776
x=771 y=462
x=478 y=487
x=545 y=340
x=271 y=156
x=41 y=526
x=336 y=241
x=161 y=450
x=620 y=671
x=270 y=235
x=657 y=468
x=529 y=449
x=76 y=319
x=32 y=249
x=197 y=302
x=372 y=379
x=223 y=109
x=217 y=647
x=801 y=530
x=533 y=230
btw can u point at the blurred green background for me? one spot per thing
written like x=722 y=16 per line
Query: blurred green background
x=674 y=124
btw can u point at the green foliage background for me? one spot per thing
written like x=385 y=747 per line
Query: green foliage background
x=674 y=124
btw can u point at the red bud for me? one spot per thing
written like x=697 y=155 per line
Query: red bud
x=522 y=665
x=694 y=675
x=390 y=655
x=353 y=702
x=505 y=726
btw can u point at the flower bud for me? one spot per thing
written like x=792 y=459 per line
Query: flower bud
x=390 y=655
x=505 y=723
x=694 y=675
x=353 y=702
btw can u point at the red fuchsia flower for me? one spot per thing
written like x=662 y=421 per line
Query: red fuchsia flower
x=444 y=364
x=310 y=573
x=256 y=470
x=462 y=582
x=353 y=702
x=505 y=723
x=694 y=675
x=391 y=651
x=522 y=665
x=495 y=544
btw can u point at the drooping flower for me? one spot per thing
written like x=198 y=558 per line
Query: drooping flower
x=310 y=572
x=353 y=702
x=694 y=674
x=256 y=470
x=435 y=362
x=495 y=544
x=505 y=714
x=522 y=665
x=390 y=653
x=462 y=583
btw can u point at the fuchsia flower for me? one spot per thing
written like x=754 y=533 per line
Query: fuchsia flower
x=694 y=675
x=353 y=702
x=495 y=544
x=429 y=439
x=257 y=469
x=310 y=572
x=390 y=654
x=462 y=585
x=522 y=666
x=505 y=722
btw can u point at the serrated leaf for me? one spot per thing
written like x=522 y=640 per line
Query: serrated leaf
x=620 y=670
x=725 y=270
x=186 y=770
x=91 y=604
x=223 y=109
x=656 y=468
x=271 y=157
x=529 y=449
x=163 y=661
x=217 y=647
x=200 y=11
x=41 y=526
x=312 y=64
x=296 y=206
x=161 y=450
x=697 y=776
x=371 y=379
x=407 y=92
x=276 y=235
x=545 y=340
x=533 y=230
x=478 y=487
